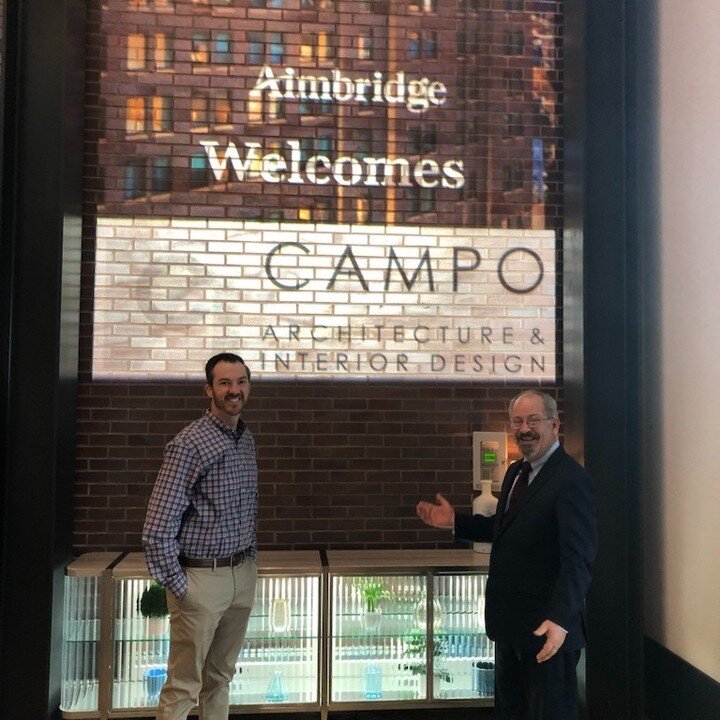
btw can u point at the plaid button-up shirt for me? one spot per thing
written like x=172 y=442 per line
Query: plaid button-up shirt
x=204 y=502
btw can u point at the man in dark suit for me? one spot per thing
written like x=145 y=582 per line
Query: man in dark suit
x=543 y=543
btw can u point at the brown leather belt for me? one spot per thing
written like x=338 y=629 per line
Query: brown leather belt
x=214 y=562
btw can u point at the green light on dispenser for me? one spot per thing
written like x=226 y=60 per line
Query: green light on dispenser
x=489 y=458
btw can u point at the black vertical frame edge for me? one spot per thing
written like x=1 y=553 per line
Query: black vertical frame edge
x=41 y=204
x=601 y=341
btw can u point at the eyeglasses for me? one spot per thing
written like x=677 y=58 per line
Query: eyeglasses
x=531 y=422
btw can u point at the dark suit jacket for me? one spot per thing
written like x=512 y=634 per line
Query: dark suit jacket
x=541 y=555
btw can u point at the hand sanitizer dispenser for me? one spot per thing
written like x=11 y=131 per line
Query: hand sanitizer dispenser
x=489 y=463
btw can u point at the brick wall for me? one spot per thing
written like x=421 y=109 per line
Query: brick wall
x=342 y=463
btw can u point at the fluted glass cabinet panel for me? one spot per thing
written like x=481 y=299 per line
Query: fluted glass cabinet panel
x=280 y=659
x=279 y=663
x=378 y=638
x=81 y=633
x=141 y=645
x=463 y=657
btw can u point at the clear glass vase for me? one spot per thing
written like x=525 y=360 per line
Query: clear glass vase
x=276 y=691
x=280 y=615
x=420 y=614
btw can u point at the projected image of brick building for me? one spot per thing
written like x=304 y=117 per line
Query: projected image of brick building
x=422 y=112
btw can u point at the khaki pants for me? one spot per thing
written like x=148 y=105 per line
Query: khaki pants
x=207 y=629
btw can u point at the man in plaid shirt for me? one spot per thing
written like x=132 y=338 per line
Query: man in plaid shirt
x=199 y=539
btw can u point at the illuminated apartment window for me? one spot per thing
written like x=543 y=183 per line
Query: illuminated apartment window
x=325 y=46
x=199 y=108
x=276 y=50
x=221 y=52
x=317 y=4
x=323 y=145
x=269 y=4
x=514 y=42
x=162 y=52
x=265 y=48
x=136 y=51
x=426 y=6
x=430 y=44
x=220 y=107
x=210 y=107
x=422 y=45
x=414 y=45
x=134 y=186
x=538 y=171
x=161 y=113
x=160 y=180
x=365 y=45
x=256 y=48
x=135 y=114
x=200 y=52
x=307 y=47
x=200 y=173
x=537 y=52
x=265 y=109
x=274 y=108
x=316 y=108
x=254 y=110
x=362 y=210
x=206 y=49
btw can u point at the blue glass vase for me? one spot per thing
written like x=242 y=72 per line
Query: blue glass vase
x=373 y=682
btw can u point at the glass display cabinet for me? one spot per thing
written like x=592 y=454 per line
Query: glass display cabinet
x=406 y=629
x=278 y=668
x=357 y=628
x=82 y=632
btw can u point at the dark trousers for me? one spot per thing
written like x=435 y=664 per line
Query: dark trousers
x=528 y=690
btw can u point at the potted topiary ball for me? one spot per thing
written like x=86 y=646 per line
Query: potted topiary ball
x=153 y=606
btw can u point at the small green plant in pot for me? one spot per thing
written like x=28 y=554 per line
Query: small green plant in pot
x=372 y=591
x=153 y=606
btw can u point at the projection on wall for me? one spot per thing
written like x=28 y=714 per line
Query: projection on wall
x=331 y=189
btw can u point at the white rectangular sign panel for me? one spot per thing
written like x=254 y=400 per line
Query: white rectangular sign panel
x=344 y=302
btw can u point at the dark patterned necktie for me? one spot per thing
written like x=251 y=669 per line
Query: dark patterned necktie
x=521 y=486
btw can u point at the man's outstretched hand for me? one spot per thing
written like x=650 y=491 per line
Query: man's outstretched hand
x=440 y=515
